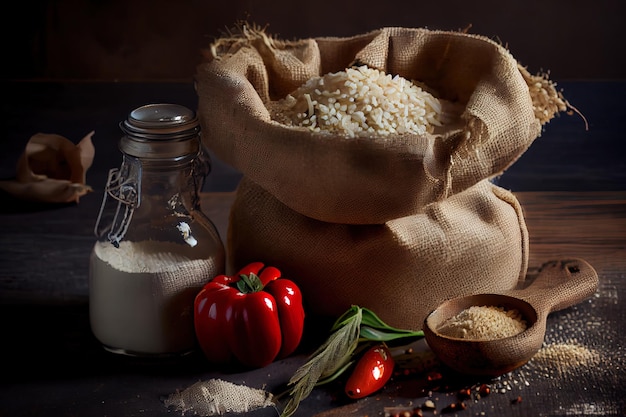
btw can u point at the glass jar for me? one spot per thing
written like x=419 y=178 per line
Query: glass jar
x=156 y=248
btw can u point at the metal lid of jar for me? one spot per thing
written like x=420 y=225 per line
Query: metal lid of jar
x=160 y=131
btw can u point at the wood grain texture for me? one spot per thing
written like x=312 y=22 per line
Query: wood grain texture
x=589 y=225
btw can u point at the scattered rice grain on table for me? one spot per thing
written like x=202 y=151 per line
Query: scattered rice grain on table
x=360 y=101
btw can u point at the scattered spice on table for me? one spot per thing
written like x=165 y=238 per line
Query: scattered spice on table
x=559 y=358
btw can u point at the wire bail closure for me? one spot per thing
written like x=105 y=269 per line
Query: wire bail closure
x=126 y=190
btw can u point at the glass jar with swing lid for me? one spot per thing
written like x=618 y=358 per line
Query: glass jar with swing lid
x=156 y=248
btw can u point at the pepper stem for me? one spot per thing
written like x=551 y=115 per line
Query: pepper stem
x=249 y=283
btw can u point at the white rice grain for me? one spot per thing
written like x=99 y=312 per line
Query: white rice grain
x=360 y=101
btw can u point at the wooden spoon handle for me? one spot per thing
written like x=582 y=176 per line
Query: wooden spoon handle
x=560 y=284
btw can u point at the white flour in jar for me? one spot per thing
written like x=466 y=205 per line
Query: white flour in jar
x=142 y=293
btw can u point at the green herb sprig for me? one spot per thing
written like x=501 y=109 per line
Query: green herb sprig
x=352 y=331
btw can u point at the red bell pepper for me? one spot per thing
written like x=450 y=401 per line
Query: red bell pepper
x=254 y=317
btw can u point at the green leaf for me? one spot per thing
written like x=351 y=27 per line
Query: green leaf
x=330 y=378
x=347 y=317
x=378 y=335
x=375 y=329
x=371 y=319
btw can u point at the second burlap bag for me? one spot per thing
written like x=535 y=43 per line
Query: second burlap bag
x=396 y=223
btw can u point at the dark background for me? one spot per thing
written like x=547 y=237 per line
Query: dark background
x=121 y=40
x=72 y=66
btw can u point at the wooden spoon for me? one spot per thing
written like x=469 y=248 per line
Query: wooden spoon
x=559 y=284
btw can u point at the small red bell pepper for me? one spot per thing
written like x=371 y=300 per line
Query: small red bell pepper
x=253 y=317
x=371 y=373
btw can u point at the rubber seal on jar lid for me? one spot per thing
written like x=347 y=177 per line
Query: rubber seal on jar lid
x=160 y=131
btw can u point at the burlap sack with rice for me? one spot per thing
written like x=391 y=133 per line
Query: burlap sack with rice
x=393 y=221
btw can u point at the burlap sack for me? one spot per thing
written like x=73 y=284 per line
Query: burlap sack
x=473 y=242
x=396 y=224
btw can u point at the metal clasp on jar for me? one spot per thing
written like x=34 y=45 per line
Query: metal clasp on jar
x=123 y=185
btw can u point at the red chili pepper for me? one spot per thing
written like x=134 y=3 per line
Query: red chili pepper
x=254 y=317
x=371 y=372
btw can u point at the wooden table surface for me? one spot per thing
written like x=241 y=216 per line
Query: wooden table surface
x=574 y=199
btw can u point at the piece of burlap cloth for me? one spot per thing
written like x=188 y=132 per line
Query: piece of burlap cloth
x=52 y=169
x=397 y=223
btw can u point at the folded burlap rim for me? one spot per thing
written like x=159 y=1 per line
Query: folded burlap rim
x=497 y=109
